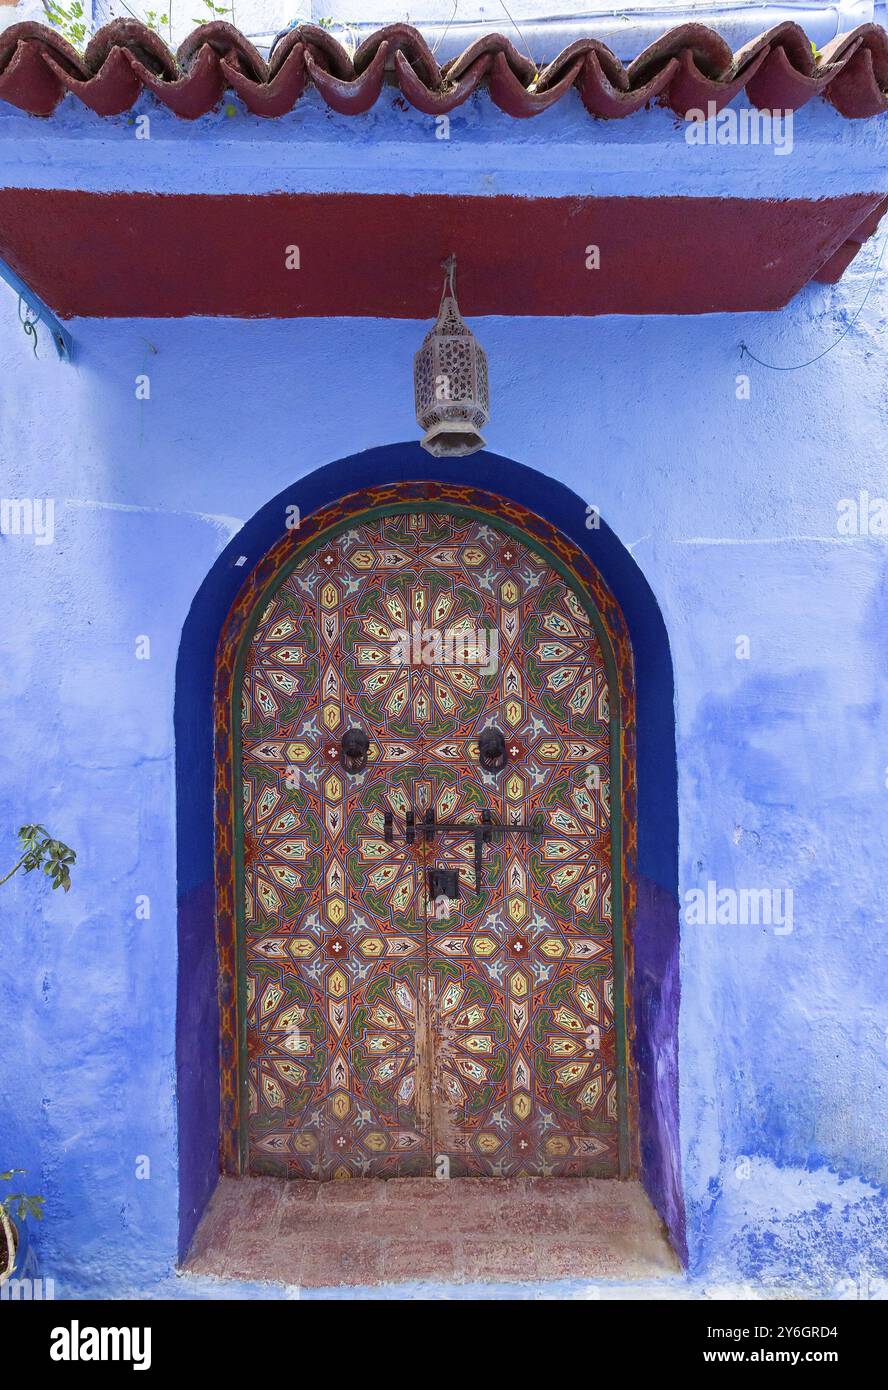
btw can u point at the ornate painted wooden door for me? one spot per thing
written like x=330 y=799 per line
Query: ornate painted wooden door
x=431 y=982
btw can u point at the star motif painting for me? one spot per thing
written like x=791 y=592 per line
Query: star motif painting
x=383 y=1032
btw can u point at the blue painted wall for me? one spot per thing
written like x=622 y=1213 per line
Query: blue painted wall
x=729 y=508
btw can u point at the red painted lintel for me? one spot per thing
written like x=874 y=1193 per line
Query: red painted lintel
x=173 y=255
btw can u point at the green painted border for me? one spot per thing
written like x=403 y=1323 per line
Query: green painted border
x=358 y=518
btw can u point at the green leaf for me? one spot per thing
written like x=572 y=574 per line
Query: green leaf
x=40 y=849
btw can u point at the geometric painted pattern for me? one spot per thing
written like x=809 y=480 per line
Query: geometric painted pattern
x=382 y=1040
x=380 y=1036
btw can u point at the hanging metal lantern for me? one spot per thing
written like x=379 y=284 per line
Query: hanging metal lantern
x=450 y=380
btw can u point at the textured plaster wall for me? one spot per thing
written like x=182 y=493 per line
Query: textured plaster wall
x=392 y=150
x=729 y=507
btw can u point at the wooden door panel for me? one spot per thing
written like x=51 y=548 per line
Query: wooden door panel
x=333 y=918
x=385 y=1034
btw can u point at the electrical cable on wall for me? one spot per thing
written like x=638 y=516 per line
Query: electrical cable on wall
x=775 y=367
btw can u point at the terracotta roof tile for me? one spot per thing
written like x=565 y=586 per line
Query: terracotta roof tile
x=688 y=67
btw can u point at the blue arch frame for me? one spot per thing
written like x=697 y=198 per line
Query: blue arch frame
x=656 y=930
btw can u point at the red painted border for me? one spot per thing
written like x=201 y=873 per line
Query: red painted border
x=226 y=690
x=172 y=255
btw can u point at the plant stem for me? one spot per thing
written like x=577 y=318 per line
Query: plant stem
x=13 y=870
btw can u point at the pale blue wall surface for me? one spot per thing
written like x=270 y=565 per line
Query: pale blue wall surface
x=782 y=758
x=729 y=507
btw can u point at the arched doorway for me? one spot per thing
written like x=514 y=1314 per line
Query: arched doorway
x=425 y=960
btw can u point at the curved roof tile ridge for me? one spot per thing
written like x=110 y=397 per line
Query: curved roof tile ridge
x=690 y=66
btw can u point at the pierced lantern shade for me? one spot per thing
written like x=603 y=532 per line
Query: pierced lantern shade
x=450 y=381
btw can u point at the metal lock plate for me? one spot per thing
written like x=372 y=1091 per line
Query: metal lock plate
x=443 y=883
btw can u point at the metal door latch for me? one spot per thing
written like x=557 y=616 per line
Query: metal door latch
x=484 y=832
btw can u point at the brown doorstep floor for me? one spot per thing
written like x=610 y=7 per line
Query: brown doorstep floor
x=370 y=1231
